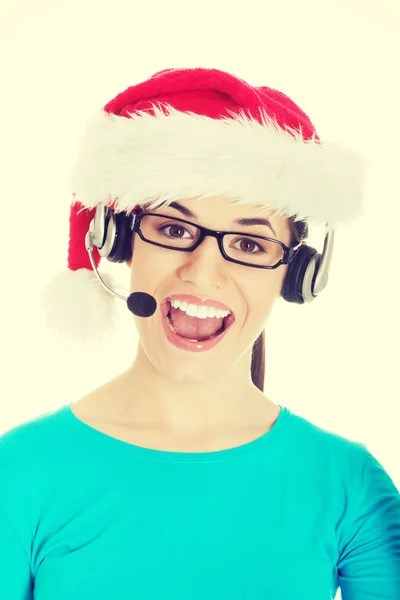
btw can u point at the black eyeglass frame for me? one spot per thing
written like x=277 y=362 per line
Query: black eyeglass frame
x=218 y=235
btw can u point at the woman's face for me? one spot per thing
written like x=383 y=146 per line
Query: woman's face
x=249 y=292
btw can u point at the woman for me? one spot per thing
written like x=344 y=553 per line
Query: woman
x=191 y=395
x=179 y=478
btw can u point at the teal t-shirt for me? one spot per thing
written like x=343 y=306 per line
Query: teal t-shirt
x=293 y=515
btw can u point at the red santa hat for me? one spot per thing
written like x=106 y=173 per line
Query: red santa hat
x=187 y=133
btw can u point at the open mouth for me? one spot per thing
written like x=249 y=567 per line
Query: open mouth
x=218 y=332
x=204 y=342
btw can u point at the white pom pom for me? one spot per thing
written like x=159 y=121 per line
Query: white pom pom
x=77 y=307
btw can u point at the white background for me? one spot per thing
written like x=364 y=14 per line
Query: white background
x=334 y=361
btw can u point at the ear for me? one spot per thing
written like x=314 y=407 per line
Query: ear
x=128 y=263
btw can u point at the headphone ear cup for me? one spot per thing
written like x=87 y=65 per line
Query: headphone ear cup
x=294 y=280
x=121 y=250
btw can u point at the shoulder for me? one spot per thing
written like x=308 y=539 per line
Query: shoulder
x=323 y=445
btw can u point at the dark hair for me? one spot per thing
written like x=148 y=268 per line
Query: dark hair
x=298 y=233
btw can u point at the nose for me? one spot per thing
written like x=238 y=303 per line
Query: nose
x=205 y=266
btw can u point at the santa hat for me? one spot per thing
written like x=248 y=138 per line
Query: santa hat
x=186 y=133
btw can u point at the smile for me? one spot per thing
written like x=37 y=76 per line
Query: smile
x=192 y=345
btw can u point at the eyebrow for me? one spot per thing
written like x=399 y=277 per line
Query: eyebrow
x=245 y=222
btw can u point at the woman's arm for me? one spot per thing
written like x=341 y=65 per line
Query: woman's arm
x=15 y=576
x=369 y=560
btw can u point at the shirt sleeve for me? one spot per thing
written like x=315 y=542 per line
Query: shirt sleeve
x=15 y=573
x=369 y=560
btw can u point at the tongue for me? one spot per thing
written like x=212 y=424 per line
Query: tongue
x=193 y=328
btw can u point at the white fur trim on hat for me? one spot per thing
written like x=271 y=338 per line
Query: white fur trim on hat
x=76 y=307
x=166 y=157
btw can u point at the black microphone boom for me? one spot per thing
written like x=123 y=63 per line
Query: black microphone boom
x=142 y=304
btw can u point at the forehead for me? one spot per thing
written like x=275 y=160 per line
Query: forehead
x=214 y=206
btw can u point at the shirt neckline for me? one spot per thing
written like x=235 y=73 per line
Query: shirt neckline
x=109 y=442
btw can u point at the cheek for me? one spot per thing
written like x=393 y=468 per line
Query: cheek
x=149 y=266
x=260 y=295
x=263 y=284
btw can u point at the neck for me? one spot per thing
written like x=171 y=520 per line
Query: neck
x=152 y=399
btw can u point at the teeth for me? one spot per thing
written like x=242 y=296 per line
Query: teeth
x=201 y=312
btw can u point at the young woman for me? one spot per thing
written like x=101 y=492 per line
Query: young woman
x=184 y=395
x=179 y=478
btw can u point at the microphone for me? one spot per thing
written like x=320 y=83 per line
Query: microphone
x=142 y=304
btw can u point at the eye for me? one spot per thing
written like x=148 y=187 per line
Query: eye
x=250 y=242
x=174 y=227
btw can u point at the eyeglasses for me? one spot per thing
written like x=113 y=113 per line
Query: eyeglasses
x=178 y=234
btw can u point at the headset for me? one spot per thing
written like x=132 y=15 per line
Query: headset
x=111 y=233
